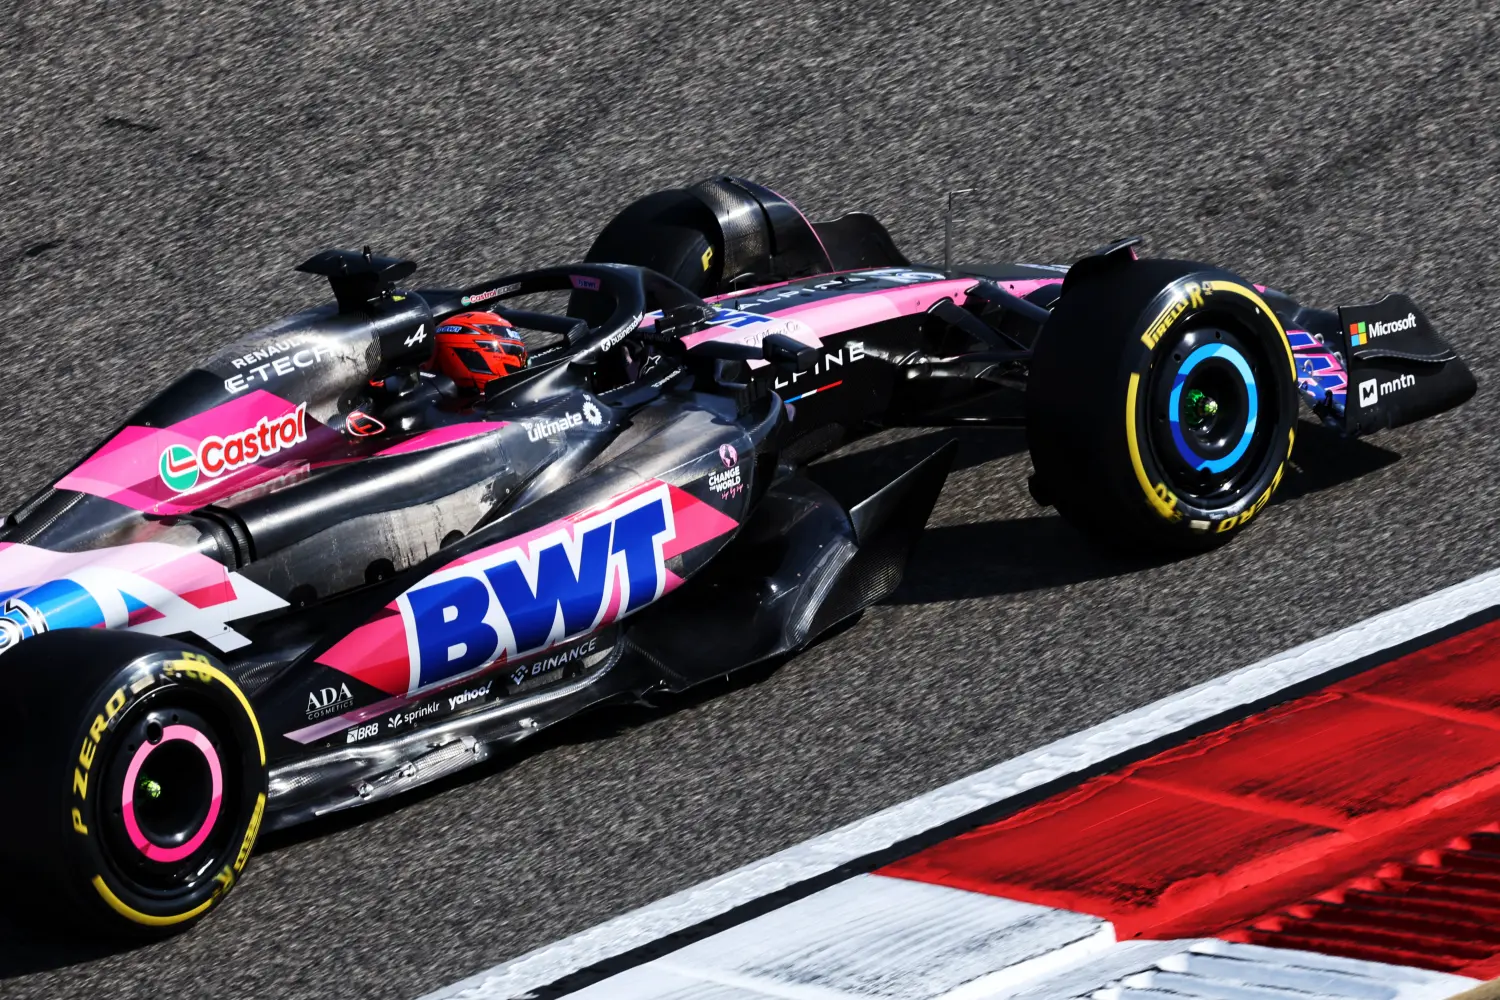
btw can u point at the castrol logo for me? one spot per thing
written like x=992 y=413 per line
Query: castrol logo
x=184 y=466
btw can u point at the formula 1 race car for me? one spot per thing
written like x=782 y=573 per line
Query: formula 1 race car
x=312 y=573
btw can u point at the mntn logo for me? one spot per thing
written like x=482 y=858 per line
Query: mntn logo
x=521 y=600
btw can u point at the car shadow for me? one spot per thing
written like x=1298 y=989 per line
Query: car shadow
x=31 y=947
x=951 y=562
x=992 y=558
x=1323 y=458
x=852 y=474
x=600 y=722
x=989 y=558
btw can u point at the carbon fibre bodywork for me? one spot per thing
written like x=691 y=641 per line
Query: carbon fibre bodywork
x=402 y=578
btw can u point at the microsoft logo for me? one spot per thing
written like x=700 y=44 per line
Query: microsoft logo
x=1360 y=333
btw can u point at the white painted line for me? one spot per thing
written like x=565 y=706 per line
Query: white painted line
x=867 y=936
x=1067 y=756
x=970 y=948
x=1208 y=969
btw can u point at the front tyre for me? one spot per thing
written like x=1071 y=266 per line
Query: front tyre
x=139 y=780
x=1161 y=405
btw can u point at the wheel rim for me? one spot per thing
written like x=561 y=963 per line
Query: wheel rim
x=169 y=777
x=172 y=793
x=1213 y=404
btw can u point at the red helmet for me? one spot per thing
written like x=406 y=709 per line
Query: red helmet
x=475 y=348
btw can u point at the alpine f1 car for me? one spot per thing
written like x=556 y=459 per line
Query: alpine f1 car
x=314 y=572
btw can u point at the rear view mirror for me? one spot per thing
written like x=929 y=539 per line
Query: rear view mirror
x=784 y=352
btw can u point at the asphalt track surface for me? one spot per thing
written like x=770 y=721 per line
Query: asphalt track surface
x=163 y=165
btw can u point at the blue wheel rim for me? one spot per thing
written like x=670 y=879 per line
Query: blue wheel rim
x=1236 y=360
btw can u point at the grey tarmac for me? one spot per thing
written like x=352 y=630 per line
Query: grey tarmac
x=163 y=165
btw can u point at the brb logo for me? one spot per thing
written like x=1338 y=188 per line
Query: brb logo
x=520 y=599
x=181 y=465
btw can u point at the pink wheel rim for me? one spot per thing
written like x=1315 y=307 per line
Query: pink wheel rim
x=155 y=851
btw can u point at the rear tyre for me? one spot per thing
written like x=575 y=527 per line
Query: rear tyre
x=1161 y=405
x=137 y=780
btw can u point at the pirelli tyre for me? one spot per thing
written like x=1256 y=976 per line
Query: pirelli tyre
x=1161 y=405
x=135 y=780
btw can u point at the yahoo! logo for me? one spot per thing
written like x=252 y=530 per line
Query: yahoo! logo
x=520 y=599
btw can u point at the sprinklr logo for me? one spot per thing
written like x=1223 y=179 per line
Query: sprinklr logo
x=1362 y=333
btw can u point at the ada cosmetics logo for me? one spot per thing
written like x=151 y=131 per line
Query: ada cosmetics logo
x=329 y=701
x=182 y=466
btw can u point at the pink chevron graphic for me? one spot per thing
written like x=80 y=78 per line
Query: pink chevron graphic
x=190 y=575
x=813 y=322
x=126 y=468
x=442 y=435
x=1320 y=373
x=828 y=317
x=697 y=522
x=149 y=586
x=377 y=652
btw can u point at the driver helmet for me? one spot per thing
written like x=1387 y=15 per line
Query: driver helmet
x=475 y=348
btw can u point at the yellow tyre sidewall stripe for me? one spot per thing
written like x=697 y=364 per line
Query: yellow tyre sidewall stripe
x=1159 y=497
x=136 y=916
x=1260 y=303
x=203 y=666
x=1164 y=507
x=193 y=663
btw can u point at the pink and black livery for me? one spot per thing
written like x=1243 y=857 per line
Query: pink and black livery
x=311 y=573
